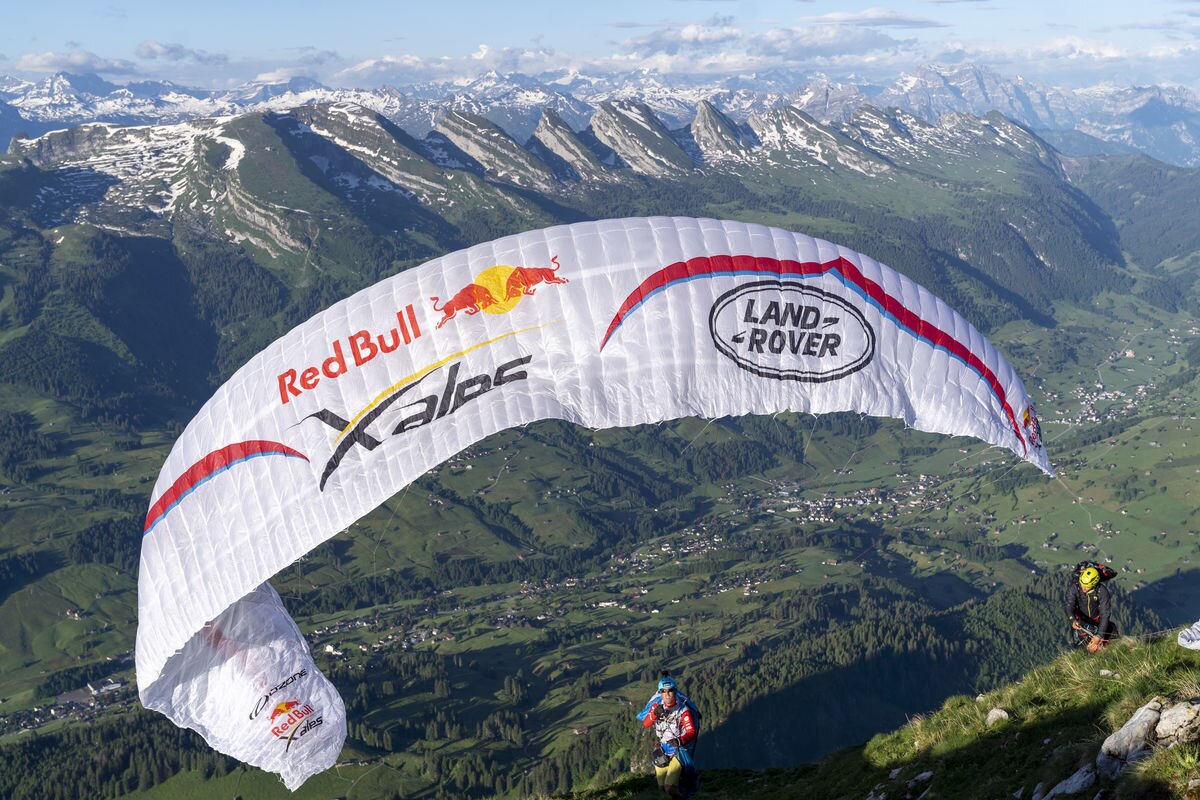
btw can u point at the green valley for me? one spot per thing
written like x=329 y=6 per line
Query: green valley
x=494 y=627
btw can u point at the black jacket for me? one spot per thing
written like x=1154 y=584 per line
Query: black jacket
x=1094 y=606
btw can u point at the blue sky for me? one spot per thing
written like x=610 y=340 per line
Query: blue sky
x=220 y=43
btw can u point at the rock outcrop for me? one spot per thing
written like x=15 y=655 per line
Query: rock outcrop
x=1131 y=743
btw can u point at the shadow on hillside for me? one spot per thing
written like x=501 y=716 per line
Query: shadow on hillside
x=1027 y=310
x=562 y=213
x=19 y=571
x=173 y=345
x=941 y=590
x=66 y=190
x=833 y=709
x=354 y=182
x=1175 y=599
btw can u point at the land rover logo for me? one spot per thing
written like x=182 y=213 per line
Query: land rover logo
x=789 y=331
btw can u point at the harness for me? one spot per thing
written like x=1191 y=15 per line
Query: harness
x=670 y=727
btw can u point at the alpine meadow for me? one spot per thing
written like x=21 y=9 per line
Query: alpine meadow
x=847 y=600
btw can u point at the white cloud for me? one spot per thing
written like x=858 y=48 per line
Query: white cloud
x=74 y=61
x=1174 y=51
x=389 y=69
x=313 y=56
x=873 y=18
x=714 y=46
x=521 y=59
x=410 y=68
x=1077 y=48
x=798 y=45
x=1068 y=51
x=1079 y=61
x=386 y=62
x=875 y=44
x=151 y=50
x=692 y=37
x=281 y=75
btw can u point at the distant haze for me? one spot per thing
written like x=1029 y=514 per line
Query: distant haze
x=222 y=44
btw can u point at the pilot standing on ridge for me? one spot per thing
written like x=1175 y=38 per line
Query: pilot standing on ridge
x=1088 y=604
x=675 y=727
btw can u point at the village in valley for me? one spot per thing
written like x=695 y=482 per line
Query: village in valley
x=700 y=568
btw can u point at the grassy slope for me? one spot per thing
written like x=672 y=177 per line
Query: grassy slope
x=1059 y=715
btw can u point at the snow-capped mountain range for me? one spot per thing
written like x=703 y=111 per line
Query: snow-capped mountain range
x=141 y=177
x=1162 y=122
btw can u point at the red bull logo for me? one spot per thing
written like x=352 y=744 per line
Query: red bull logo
x=497 y=290
x=1033 y=428
x=264 y=701
x=283 y=708
x=282 y=722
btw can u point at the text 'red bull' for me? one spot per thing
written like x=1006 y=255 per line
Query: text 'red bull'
x=294 y=716
x=362 y=346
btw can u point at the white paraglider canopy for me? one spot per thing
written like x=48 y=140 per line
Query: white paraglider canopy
x=603 y=324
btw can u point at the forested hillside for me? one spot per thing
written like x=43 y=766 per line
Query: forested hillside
x=494 y=626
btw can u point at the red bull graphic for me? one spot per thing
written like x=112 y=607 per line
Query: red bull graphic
x=497 y=290
x=286 y=719
x=282 y=709
x=1033 y=428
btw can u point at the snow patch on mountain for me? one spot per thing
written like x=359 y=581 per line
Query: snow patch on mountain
x=142 y=162
x=236 y=149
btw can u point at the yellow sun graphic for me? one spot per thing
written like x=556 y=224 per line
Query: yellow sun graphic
x=495 y=280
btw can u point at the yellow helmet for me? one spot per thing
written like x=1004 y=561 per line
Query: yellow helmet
x=1089 y=578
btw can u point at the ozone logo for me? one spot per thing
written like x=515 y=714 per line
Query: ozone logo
x=789 y=331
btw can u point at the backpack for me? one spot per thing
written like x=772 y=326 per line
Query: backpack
x=1106 y=572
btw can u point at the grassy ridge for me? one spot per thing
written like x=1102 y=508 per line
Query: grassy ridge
x=1058 y=716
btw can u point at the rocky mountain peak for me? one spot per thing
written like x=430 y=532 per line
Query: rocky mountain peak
x=497 y=152
x=718 y=137
x=639 y=138
x=1162 y=121
x=558 y=145
x=790 y=135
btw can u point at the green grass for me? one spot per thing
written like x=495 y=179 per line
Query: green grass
x=348 y=781
x=1058 y=716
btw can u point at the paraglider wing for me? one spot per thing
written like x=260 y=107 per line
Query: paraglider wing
x=1190 y=637
x=610 y=323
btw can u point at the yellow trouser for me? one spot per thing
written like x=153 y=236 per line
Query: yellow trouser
x=669 y=775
